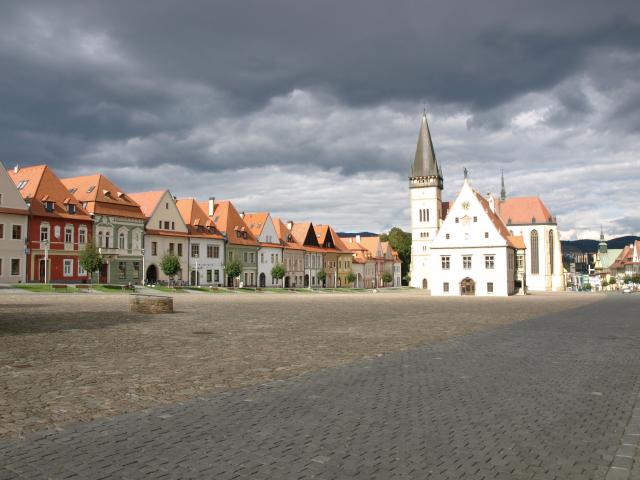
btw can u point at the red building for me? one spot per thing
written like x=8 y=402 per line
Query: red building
x=59 y=227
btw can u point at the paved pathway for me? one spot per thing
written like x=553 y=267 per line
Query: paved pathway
x=548 y=398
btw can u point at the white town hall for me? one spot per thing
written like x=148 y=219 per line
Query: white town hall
x=478 y=245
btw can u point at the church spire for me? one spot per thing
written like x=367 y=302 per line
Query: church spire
x=503 y=191
x=425 y=164
x=602 y=245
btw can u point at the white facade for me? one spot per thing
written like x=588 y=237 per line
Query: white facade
x=14 y=216
x=269 y=254
x=543 y=263
x=206 y=260
x=471 y=253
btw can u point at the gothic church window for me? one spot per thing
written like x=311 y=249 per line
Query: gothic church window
x=551 y=252
x=535 y=266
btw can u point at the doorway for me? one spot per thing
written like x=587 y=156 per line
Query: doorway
x=152 y=275
x=467 y=287
x=263 y=280
x=424 y=283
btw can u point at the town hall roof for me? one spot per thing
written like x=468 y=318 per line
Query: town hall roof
x=523 y=210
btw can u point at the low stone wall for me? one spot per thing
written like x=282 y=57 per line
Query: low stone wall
x=150 y=304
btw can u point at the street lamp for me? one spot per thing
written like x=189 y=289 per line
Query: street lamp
x=46 y=259
x=197 y=271
x=144 y=272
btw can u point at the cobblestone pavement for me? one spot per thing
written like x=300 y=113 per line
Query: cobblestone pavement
x=72 y=357
x=545 y=398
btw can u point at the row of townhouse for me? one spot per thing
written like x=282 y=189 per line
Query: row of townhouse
x=45 y=222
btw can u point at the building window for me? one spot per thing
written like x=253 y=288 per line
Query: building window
x=154 y=248
x=136 y=271
x=446 y=262
x=159 y=223
x=489 y=261
x=22 y=184
x=81 y=271
x=209 y=251
x=166 y=206
x=486 y=234
x=171 y=248
x=82 y=235
x=535 y=266
x=1 y=230
x=520 y=260
x=122 y=270
x=68 y=234
x=445 y=287
x=208 y=276
x=71 y=208
x=551 y=252
x=457 y=220
x=16 y=232
x=121 y=241
x=475 y=219
x=447 y=236
x=179 y=249
x=466 y=262
x=15 y=266
x=0 y=266
x=173 y=225
x=195 y=250
x=216 y=275
x=107 y=239
x=490 y=287
x=44 y=233
x=68 y=267
x=166 y=225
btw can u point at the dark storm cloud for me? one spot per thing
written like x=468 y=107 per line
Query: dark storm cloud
x=328 y=86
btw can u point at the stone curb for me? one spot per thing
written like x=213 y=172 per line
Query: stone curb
x=629 y=448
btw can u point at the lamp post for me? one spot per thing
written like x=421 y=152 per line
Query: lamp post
x=144 y=272
x=197 y=271
x=46 y=260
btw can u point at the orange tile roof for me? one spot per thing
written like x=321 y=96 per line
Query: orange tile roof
x=284 y=233
x=197 y=221
x=497 y=222
x=102 y=196
x=256 y=221
x=147 y=200
x=517 y=241
x=523 y=210
x=43 y=185
x=371 y=244
x=228 y=220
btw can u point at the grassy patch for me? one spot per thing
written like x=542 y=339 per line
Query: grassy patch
x=41 y=288
x=162 y=288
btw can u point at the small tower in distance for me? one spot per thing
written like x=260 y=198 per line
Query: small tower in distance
x=503 y=191
x=425 y=190
x=602 y=245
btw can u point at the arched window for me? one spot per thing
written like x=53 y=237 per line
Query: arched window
x=551 y=252
x=100 y=239
x=420 y=214
x=121 y=241
x=535 y=266
x=107 y=240
x=427 y=214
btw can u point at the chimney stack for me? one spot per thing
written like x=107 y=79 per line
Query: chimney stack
x=16 y=169
x=358 y=238
x=212 y=203
x=242 y=215
x=290 y=224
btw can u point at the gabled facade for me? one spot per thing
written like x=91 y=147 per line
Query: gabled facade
x=293 y=255
x=206 y=245
x=14 y=217
x=240 y=245
x=376 y=255
x=627 y=264
x=270 y=250
x=337 y=257
x=118 y=227
x=472 y=253
x=59 y=227
x=165 y=232
x=305 y=236
x=364 y=263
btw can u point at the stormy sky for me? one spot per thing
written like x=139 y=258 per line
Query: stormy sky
x=310 y=109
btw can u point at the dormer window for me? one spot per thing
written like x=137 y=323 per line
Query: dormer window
x=22 y=184
x=49 y=206
x=73 y=190
x=91 y=188
x=106 y=193
x=244 y=234
x=71 y=208
x=237 y=233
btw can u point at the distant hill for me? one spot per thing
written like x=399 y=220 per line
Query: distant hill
x=353 y=234
x=590 y=246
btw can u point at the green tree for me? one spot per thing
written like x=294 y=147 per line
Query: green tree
x=351 y=277
x=170 y=266
x=233 y=268
x=278 y=272
x=400 y=241
x=635 y=278
x=387 y=278
x=322 y=276
x=90 y=259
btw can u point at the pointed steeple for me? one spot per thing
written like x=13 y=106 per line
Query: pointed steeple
x=424 y=163
x=503 y=191
x=602 y=245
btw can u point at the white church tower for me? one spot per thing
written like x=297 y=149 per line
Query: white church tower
x=425 y=189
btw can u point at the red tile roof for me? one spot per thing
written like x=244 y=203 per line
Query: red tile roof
x=43 y=185
x=523 y=210
x=147 y=200
x=197 y=221
x=228 y=220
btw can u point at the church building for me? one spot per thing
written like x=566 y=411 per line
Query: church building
x=477 y=245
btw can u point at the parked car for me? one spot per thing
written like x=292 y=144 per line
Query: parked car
x=626 y=290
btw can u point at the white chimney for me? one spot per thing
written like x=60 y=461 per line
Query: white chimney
x=212 y=203
x=358 y=238
x=242 y=215
x=16 y=168
x=290 y=224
